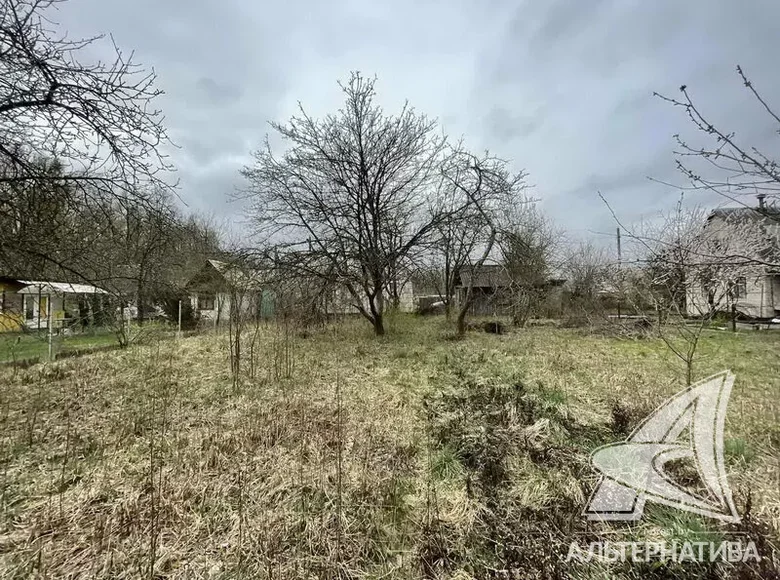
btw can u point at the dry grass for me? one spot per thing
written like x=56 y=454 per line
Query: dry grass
x=154 y=463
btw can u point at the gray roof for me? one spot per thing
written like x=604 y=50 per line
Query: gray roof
x=486 y=276
x=216 y=273
x=57 y=288
x=768 y=219
x=770 y=214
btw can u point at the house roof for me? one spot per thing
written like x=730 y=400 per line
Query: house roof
x=41 y=287
x=768 y=213
x=232 y=274
x=488 y=275
x=768 y=219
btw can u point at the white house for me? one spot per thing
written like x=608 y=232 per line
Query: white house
x=754 y=290
x=219 y=287
x=343 y=302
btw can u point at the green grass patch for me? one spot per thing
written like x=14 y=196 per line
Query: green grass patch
x=36 y=345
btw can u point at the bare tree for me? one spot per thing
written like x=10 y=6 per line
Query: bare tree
x=588 y=269
x=722 y=164
x=476 y=192
x=473 y=191
x=355 y=186
x=527 y=244
x=96 y=120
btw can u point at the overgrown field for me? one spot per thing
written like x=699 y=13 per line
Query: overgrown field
x=340 y=455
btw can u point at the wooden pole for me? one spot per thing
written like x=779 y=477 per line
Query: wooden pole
x=179 y=332
x=620 y=281
x=51 y=327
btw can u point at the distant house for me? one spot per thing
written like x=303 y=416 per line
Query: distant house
x=490 y=287
x=35 y=304
x=219 y=287
x=342 y=302
x=755 y=296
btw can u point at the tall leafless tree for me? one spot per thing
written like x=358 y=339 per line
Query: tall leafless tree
x=96 y=120
x=476 y=191
x=528 y=241
x=353 y=189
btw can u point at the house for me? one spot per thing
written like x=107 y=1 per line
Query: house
x=490 y=288
x=342 y=302
x=35 y=304
x=219 y=287
x=756 y=294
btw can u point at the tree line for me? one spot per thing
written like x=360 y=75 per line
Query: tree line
x=360 y=201
x=85 y=187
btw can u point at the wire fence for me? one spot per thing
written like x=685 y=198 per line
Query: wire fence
x=56 y=337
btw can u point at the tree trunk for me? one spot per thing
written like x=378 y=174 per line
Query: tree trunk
x=83 y=312
x=464 y=309
x=140 y=306
x=462 y=321
x=377 y=304
x=379 y=325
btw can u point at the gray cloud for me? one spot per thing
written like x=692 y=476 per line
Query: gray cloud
x=218 y=93
x=563 y=89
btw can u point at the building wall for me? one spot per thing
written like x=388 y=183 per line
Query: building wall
x=36 y=311
x=10 y=308
x=250 y=304
x=757 y=303
x=218 y=309
x=407 y=298
x=760 y=300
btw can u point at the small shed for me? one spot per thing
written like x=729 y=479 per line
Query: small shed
x=490 y=286
x=55 y=303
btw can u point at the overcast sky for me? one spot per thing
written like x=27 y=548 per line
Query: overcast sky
x=562 y=89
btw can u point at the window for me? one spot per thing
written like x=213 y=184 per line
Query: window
x=740 y=288
x=205 y=302
x=29 y=308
